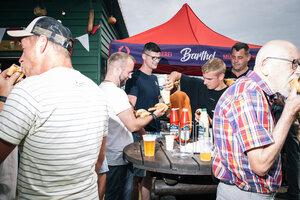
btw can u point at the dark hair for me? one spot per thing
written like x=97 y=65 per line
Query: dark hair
x=240 y=45
x=150 y=46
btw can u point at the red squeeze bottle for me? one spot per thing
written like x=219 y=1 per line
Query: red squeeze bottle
x=174 y=123
x=184 y=126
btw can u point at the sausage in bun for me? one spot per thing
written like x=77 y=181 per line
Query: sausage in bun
x=159 y=106
x=13 y=69
x=142 y=113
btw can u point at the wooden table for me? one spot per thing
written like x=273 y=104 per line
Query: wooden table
x=164 y=162
x=174 y=175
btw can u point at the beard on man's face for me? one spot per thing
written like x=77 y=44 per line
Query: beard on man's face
x=122 y=81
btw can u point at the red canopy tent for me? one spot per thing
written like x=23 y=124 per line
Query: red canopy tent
x=186 y=44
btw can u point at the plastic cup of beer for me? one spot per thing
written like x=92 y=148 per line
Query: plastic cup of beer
x=164 y=94
x=205 y=151
x=149 y=144
x=169 y=142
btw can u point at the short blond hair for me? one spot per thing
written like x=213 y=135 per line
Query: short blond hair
x=119 y=57
x=214 y=64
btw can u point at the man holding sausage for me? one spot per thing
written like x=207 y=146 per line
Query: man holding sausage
x=56 y=115
x=247 y=146
x=203 y=93
x=122 y=122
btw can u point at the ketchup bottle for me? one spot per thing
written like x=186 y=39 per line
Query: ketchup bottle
x=174 y=123
x=184 y=126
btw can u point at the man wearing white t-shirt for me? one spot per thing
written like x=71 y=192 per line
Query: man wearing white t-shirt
x=56 y=116
x=122 y=122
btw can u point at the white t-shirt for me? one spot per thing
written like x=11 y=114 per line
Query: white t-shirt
x=59 y=119
x=118 y=135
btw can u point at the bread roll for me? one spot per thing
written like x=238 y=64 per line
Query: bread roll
x=159 y=106
x=142 y=113
x=13 y=69
x=295 y=82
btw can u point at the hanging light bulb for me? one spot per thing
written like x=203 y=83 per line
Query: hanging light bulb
x=40 y=10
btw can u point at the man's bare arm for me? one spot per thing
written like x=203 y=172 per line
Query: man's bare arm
x=7 y=84
x=101 y=155
x=134 y=124
x=261 y=159
x=132 y=100
x=174 y=76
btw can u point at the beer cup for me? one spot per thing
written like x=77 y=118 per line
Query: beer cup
x=205 y=151
x=164 y=94
x=149 y=144
x=205 y=156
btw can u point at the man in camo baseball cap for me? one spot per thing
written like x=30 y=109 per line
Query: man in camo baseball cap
x=53 y=29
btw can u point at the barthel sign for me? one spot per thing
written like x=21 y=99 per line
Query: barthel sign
x=187 y=54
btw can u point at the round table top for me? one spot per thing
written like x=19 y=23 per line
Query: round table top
x=164 y=161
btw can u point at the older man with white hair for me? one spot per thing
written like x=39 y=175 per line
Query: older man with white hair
x=247 y=142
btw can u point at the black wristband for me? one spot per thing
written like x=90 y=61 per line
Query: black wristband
x=154 y=116
x=3 y=99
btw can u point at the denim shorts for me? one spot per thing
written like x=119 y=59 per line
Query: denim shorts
x=104 y=167
x=119 y=182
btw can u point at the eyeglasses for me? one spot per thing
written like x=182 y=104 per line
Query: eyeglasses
x=154 y=58
x=295 y=62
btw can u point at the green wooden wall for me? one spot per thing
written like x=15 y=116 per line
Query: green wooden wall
x=19 y=13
